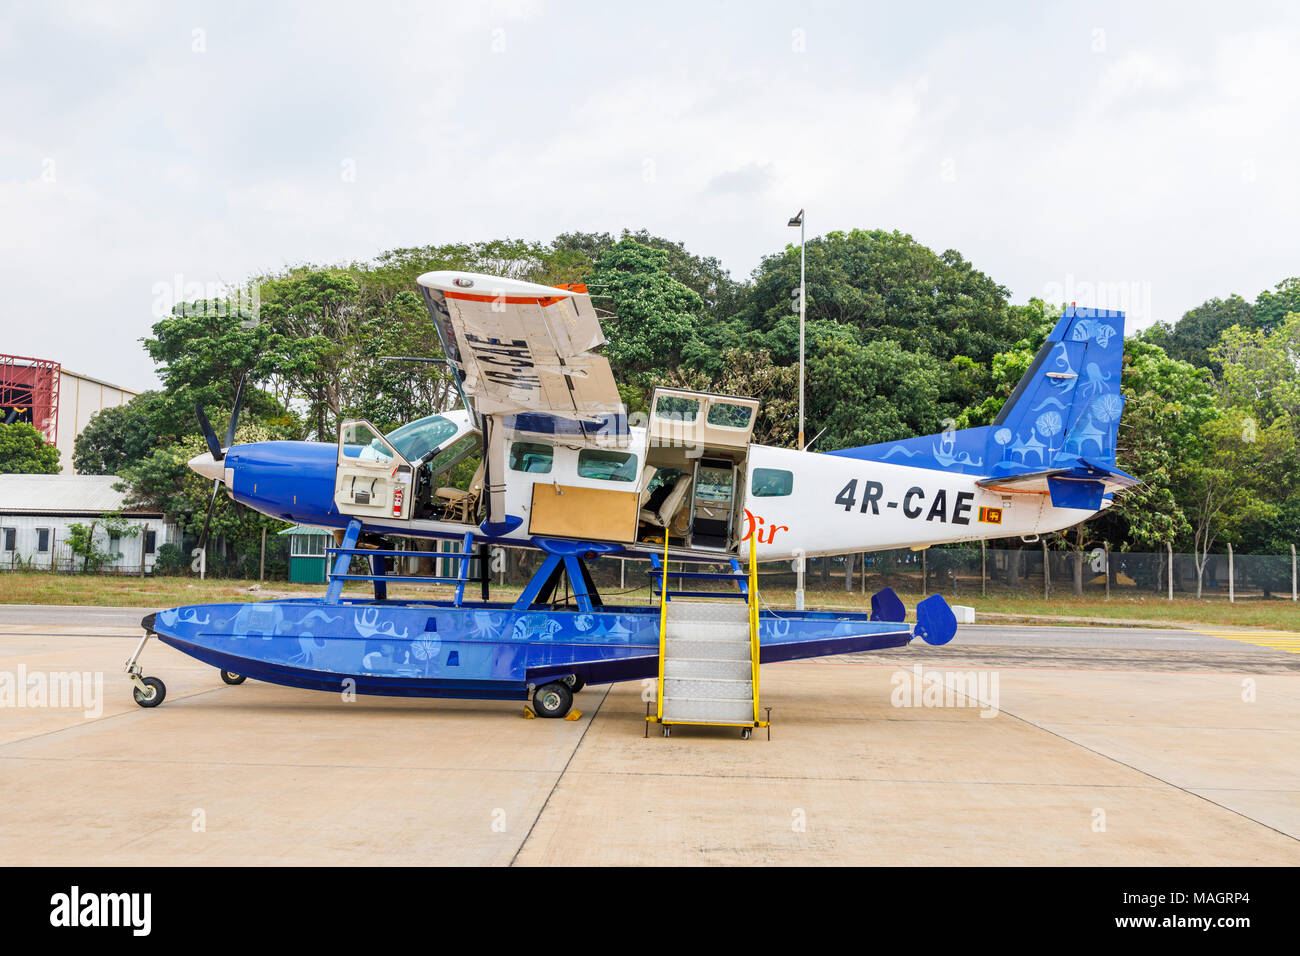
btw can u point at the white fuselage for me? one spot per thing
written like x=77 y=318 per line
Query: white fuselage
x=835 y=505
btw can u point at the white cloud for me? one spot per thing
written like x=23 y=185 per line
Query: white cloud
x=1166 y=160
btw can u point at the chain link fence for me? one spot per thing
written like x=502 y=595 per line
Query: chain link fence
x=1024 y=572
x=1031 y=571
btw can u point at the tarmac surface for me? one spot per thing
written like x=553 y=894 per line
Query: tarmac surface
x=1068 y=745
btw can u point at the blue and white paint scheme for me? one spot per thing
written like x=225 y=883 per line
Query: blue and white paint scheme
x=566 y=470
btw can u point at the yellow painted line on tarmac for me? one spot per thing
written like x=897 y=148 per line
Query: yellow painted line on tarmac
x=1274 y=640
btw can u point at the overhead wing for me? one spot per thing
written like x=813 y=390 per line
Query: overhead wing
x=524 y=353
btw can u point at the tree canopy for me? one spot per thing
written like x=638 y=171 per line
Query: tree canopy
x=901 y=340
x=24 y=451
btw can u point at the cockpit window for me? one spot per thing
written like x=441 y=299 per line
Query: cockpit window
x=453 y=454
x=416 y=439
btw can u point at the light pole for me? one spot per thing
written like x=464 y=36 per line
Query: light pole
x=797 y=220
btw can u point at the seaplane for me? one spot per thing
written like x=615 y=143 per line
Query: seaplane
x=565 y=470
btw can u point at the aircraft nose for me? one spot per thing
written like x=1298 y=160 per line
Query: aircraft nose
x=207 y=466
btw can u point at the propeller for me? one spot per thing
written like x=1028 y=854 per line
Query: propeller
x=207 y=518
x=210 y=434
x=218 y=452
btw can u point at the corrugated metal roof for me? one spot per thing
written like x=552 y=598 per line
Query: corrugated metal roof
x=64 y=494
x=304 y=529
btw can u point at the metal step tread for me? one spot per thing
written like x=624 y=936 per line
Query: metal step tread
x=696 y=709
x=708 y=612
x=709 y=630
x=698 y=667
x=708 y=688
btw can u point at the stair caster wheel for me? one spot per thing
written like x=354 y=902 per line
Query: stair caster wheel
x=552 y=700
x=746 y=733
x=230 y=677
x=157 y=692
x=668 y=731
x=574 y=683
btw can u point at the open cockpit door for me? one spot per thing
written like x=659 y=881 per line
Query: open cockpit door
x=372 y=479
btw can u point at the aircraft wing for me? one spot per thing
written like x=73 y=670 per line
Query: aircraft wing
x=524 y=351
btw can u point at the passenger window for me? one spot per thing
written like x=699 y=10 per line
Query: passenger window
x=532 y=457
x=606 y=465
x=713 y=484
x=772 y=482
x=727 y=415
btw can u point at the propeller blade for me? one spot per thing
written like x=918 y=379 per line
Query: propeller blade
x=234 y=414
x=209 y=434
x=207 y=519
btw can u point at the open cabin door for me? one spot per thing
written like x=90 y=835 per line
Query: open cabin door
x=704 y=439
x=372 y=479
x=696 y=421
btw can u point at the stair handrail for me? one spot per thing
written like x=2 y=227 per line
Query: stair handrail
x=663 y=632
x=753 y=618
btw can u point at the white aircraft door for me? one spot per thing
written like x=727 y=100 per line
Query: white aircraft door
x=372 y=479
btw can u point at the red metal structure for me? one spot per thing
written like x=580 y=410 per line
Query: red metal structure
x=30 y=386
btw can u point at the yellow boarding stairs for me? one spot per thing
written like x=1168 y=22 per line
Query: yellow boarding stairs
x=708 y=650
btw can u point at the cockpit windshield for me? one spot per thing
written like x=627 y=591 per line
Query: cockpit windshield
x=416 y=439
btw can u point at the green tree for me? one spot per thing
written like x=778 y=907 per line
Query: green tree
x=704 y=275
x=655 y=325
x=24 y=451
x=83 y=543
x=1191 y=338
x=1167 y=403
x=1272 y=307
x=118 y=436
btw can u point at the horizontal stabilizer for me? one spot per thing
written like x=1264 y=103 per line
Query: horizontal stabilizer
x=1081 y=485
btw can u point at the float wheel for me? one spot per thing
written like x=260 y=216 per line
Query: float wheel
x=552 y=700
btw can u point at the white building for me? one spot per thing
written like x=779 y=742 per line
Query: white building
x=38 y=511
x=80 y=397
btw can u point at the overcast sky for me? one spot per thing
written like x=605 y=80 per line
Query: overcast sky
x=1148 y=153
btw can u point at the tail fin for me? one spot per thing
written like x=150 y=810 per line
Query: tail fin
x=1068 y=404
x=1063 y=413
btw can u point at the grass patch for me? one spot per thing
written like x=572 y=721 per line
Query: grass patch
x=155 y=592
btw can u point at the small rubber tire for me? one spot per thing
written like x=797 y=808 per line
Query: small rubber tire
x=230 y=677
x=746 y=733
x=574 y=683
x=159 y=693
x=552 y=700
x=668 y=731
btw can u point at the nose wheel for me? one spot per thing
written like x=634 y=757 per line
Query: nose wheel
x=230 y=677
x=148 y=691
x=153 y=692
